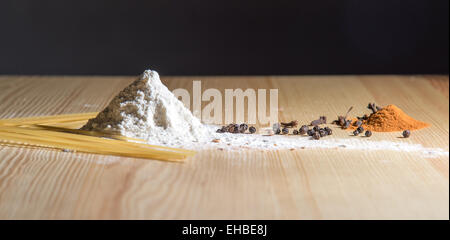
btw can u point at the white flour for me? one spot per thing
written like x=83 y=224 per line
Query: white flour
x=148 y=110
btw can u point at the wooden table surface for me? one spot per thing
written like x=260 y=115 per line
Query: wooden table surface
x=300 y=184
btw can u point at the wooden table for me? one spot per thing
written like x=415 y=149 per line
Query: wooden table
x=300 y=184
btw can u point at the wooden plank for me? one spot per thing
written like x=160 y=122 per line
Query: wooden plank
x=300 y=184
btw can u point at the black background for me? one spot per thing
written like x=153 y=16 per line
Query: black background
x=109 y=37
x=276 y=229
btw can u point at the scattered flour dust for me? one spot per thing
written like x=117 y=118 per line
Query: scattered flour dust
x=148 y=110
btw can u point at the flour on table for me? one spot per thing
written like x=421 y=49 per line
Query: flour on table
x=146 y=109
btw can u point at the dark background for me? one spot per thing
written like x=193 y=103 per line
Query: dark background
x=109 y=37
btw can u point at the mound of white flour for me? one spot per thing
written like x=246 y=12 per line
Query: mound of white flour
x=146 y=109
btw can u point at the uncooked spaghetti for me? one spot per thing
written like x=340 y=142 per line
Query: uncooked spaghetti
x=60 y=132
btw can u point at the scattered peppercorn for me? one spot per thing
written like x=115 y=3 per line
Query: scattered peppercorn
x=278 y=131
x=243 y=127
x=360 y=129
x=310 y=132
x=316 y=136
x=368 y=133
x=285 y=130
x=295 y=132
x=303 y=130
x=358 y=123
x=328 y=130
x=406 y=133
x=316 y=128
x=347 y=124
x=252 y=129
x=322 y=133
x=356 y=132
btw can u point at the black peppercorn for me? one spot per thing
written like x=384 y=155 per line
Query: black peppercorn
x=360 y=129
x=356 y=132
x=278 y=131
x=252 y=129
x=303 y=130
x=328 y=130
x=233 y=128
x=316 y=136
x=295 y=132
x=243 y=127
x=406 y=133
x=285 y=130
x=358 y=123
x=322 y=133
x=368 y=133
x=347 y=124
x=316 y=128
x=310 y=132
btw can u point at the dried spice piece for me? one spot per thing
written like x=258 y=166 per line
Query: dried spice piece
x=322 y=133
x=290 y=124
x=372 y=107
x=303 y=130
x=285 y=130
x=310 y=132
x=321 y=120
x=278 y=131
x=224 y=129
x=347 y=124
x=368 y=133
x=360 y=129
x=232 y=128
x=328 y=130
x=341 y=121
x=252 y=129
x=316 y=136
x=356 y=132
x=357 y=123
x=295 y=132
x=316 y=128
x=406 y=133
x=243 y=127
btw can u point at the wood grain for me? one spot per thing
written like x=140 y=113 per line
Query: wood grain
x=300 y=184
